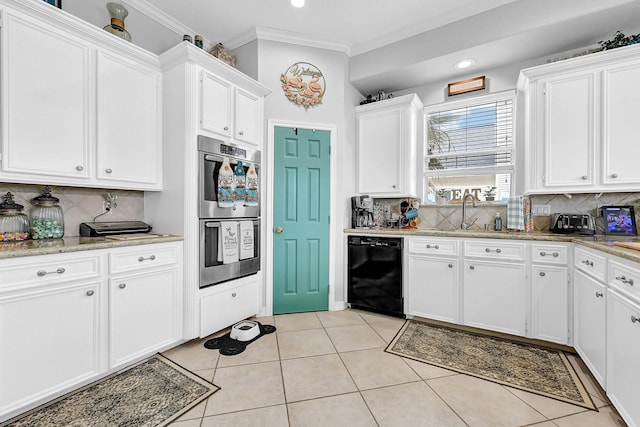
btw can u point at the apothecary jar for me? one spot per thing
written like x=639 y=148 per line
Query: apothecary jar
x=47 y=219
x=14 y=225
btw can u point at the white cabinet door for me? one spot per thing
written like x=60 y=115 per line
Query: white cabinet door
x=247 y=110
x=380 y=159
x=228 y=303
x=143 y=314
x=433 y=288
x=128 y=122
x=620 y=126
x=45 y=102
x=623 y=348
x=216 y=97
x=50 y=338
x=549 y=303
x=494 y=296
x=569 y=131
x=590 y=323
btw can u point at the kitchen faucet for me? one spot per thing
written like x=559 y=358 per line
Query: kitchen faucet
x=464 y=224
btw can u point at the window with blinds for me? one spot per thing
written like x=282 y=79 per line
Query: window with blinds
x=469 y=147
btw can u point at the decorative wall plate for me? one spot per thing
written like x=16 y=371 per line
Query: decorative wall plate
x=303 y=84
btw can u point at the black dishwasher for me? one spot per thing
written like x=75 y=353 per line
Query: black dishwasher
x=375 y=274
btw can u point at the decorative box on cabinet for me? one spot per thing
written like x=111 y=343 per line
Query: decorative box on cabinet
x=432 y=278
x=387 y=147
x=582 y=109
x=97 y=99
x=51 y=326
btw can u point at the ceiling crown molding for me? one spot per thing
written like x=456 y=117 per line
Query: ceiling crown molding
x=271 y=34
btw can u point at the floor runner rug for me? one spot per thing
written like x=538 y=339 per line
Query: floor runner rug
x=535 y=369
x=153 y=393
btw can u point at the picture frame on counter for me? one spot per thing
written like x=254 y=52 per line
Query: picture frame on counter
x=56 y=3
x=464 y=86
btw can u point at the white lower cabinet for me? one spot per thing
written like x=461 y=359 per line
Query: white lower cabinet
x=623 y=348
x=494 y=296
x=550 y=303
x=227 y=303
x=433 y=288
x=590 y=323
x=67 y=319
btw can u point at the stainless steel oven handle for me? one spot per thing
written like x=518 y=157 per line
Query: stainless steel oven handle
x=212 y=158
x=212 y=224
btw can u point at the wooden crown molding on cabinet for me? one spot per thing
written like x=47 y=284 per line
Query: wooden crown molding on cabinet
x=271 y=34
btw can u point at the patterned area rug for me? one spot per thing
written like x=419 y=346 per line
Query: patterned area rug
x=534 y=369
x=153 y=393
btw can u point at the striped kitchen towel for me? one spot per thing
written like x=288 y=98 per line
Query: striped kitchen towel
x=515 y=213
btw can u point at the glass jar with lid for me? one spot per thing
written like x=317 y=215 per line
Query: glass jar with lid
x=47 y=219
x=14 y=225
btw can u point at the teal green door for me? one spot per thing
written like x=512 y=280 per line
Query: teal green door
x=301 y=220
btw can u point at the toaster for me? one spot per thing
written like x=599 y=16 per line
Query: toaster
x=572 y=223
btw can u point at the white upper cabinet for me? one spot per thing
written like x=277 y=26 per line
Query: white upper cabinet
x=581 y=123
x=128 y=125
x=46 y=91
x=229 y=111
x=387 y=147
x=80 y=107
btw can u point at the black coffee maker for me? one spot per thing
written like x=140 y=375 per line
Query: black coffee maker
x=361 y=212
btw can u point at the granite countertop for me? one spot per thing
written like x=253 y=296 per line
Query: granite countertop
x=74 y=244
x=598 y=242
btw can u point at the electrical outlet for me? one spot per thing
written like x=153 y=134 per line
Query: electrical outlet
x=107 y=207
x=541 y=210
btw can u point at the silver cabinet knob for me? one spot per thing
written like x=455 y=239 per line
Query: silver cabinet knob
x=599 y=294
x=108 y=170
x=393 y=186
x=233 y=295
x=542 y=274
x=584 y=177
x=90 y=293
x=614 y=175
x=471 y=267
x=79 y=168
x=450 y=265
x=122 y=285
x=226 y=128
x=240 y=133
x=151 y=258
x=635 y=319
x=623 y=279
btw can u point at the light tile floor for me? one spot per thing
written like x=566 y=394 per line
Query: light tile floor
x=330 y=369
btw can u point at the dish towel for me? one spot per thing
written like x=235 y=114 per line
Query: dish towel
x=515 y=213
x=229 y=241
x=528 y=216
x=246 y=239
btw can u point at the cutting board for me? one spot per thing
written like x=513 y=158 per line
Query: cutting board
x=628 y=245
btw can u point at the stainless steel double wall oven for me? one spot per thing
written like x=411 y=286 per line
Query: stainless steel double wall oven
x=211 y=154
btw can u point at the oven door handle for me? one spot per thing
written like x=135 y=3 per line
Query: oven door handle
x=212 y=224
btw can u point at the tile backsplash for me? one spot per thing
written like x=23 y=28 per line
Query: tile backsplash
x=449 y=216
x=81 y=204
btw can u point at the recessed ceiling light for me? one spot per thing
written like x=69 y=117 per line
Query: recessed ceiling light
x=297 y=3
x=464 y=63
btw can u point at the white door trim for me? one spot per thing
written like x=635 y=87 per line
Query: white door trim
x=267 y=209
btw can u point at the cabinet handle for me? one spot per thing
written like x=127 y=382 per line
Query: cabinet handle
x=152 y=257
x=233 y=295
x=614 y=175
x=240 y=133
x=122 y=285
x=542 y=274
x=471 y=267
x=584 y=177
x=450 y=265
x=79 y=168
x=635 y=319
x=491 y=250
x=434 y=247
x=43 y=273
x=587 y=262
x=226 y=128
x=90 y=293
x=393 y=186
x=555 y=254
x=623 y=279
x=599 y=294
x=108 y=170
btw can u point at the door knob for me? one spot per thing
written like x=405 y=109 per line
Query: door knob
x=278 y=230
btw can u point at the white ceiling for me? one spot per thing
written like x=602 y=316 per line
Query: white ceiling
x=406 y=43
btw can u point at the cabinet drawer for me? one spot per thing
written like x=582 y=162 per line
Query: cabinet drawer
x=426 y=245
x=48 y=269
x=624 y=277
x=142 y=257
x=228 y=306
x=551 y=254
x=494 y=249
x=590 y=263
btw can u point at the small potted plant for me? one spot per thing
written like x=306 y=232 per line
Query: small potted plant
x=490 y=193
x=442 y=195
